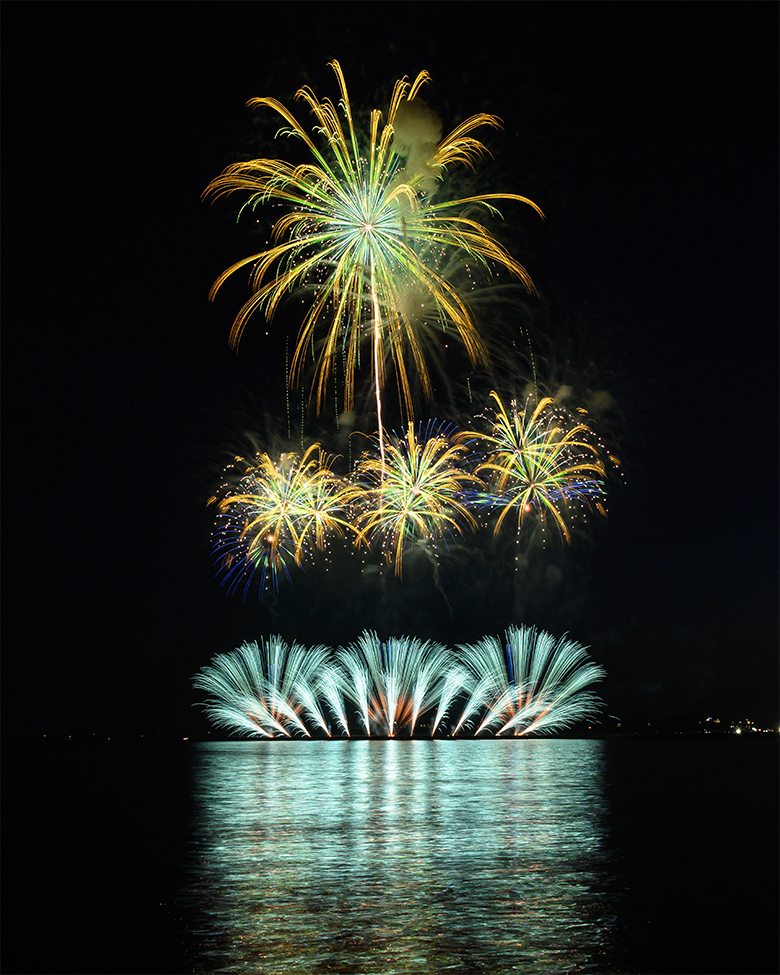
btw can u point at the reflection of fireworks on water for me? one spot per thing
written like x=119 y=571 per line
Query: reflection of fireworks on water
x=416 y=493
x=533 y=684
x=540 y=460
x=363 y=222
x=276 y=514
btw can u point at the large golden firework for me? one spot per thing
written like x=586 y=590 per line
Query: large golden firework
x=362 y=229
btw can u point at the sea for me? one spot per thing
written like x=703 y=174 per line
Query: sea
x=387 y=857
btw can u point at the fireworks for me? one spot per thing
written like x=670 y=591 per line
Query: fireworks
x=415 y=492
x=425 y=489
x=542 y=461
x=363 y=232
x=389 y=270
x=532 y=684
x=277 y=513
x=391 y=683
x=390 y=267
x=265 y=690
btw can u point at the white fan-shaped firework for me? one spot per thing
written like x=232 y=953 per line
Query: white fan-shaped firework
x=392 y=683
x=266 y=689
x=532 y=683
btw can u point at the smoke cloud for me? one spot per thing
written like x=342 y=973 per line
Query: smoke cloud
x=416 y=134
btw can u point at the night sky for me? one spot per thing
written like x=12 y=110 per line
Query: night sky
x=646 y=132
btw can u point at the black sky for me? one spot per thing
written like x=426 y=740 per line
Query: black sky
x=647 y=132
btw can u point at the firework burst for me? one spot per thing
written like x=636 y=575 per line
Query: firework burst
x=540 y=460
x=416 y=492
x=532 y=684
x=276 y=515
x=391 y=684
x=362 y=221
x=266 y=689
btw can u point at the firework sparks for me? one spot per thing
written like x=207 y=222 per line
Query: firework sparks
x=279 y=512
x=392 y=683
x=266 y=690
x=363 y=221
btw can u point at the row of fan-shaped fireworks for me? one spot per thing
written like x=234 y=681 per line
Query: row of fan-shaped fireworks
x=532 y=683
x=431 y=484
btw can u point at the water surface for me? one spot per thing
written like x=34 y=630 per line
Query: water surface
x=401 y=856
x=618 y=856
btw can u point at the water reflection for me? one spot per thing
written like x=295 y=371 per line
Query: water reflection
x=399 y=857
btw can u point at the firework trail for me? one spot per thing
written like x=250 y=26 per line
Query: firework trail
x=362 y=222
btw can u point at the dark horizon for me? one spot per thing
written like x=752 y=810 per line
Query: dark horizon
x=656 y=165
